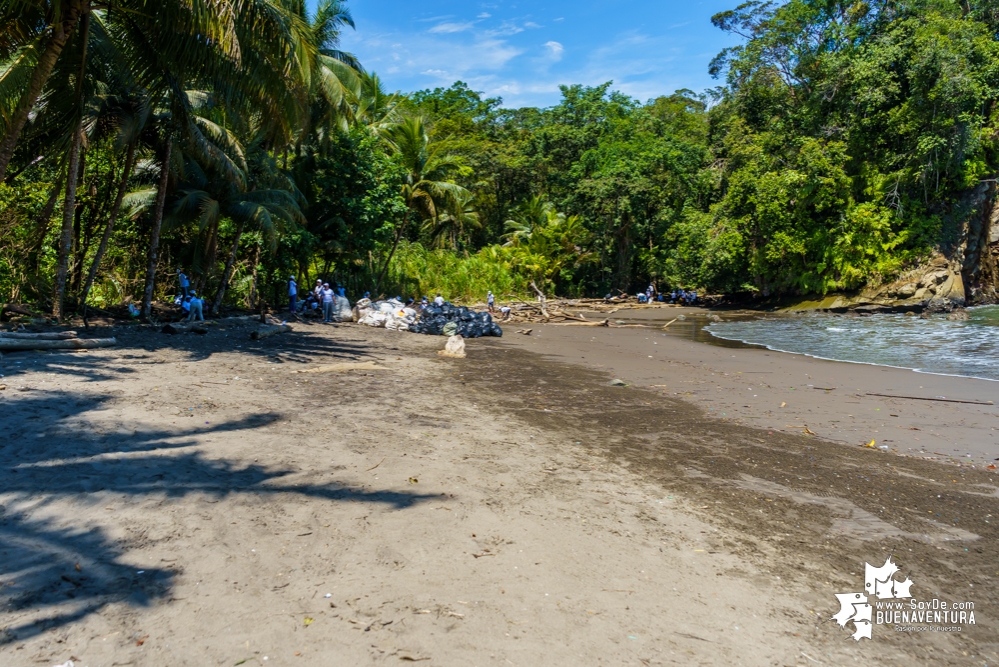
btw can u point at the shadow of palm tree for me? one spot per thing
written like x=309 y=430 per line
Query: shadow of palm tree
x=70 y=570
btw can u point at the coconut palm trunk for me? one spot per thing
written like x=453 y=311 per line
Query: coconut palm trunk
x=72 y=175
x=42 y=223
x=220 y=294
x=109 y=228
x=395 y=245
x=61 y=32
x=154 y=237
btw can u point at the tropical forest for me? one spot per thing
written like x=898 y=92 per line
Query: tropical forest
x=237 y=141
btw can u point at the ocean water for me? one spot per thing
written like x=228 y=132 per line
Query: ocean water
x=935 y=345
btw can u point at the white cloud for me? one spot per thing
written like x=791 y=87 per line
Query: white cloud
x=484 y=15
x=450 y=28
x=555 y=50
x=506 y=29
x=532 y=25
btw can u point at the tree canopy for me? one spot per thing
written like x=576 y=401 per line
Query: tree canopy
x=239 y=142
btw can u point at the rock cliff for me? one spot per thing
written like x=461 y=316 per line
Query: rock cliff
x=963 y=272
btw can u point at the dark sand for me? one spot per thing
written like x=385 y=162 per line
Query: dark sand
x=193 y=500
x=750 y=385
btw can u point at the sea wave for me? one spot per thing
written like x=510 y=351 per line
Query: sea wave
x=935 y=345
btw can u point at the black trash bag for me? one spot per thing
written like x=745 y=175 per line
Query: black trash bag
x=484 y=318
x=495 y=330
x=465 y=315
x=432 y=311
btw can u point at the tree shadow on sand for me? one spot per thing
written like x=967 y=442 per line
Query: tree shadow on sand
x=39 y=557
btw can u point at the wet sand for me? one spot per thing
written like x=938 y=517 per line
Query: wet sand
x=786 y=392
x=194 y=500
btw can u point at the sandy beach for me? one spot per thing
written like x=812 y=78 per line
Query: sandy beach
x=343 y=495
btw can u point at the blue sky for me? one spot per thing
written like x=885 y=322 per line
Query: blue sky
x=522 y=51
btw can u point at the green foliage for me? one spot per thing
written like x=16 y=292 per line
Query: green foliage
x=418 y=271
x=841 y=150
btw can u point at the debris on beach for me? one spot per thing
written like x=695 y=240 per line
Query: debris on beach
x=455 y=348
x=450 y=320
x=64 y=340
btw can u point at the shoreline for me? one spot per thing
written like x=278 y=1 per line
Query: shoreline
x=828 y=397
x=343 y=490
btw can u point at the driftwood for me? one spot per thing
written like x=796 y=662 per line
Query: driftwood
x=182 y=327
x=345 y=366
x=57 y=335
x=268 y=331
x=936 y=400
x=9 y=344
x=18 y=309
x=542 y=300
x=604 y=323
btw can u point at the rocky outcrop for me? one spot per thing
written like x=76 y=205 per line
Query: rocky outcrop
x=976 y=247
x=963 y=272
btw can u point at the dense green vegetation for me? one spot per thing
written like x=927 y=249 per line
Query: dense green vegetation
x=236 y=141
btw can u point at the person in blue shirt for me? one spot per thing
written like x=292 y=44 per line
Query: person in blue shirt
x=185 y=283
x=292 y=295
x=197 y=308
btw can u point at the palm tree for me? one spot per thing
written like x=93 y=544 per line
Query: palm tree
x=34 y=33
x=531 y=214
x=426 y=189
x=373 y=108
x=450 y=230
x=131 y=116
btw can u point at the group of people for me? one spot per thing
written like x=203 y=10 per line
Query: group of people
x=677 y=296
x=322 y=298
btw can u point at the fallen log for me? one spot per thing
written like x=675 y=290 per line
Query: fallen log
x=604 y=323
x=18 y=309
x=268 y=331
x=542 y=300
x=55 y=335
x=11 y=344
x=178 y=328
x=561 y=313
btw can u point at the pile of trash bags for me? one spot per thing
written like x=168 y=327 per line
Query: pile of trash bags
x=450 y=320
x=446 y=320
x=392 y=314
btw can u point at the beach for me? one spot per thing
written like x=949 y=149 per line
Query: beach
x=343 y=495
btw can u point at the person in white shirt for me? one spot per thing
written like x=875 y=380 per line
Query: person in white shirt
x=439 y=301
x=327 y=297
x=197 y=305
x=491 y=302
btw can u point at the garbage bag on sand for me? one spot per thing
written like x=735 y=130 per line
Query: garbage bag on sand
x=390 y=315
x=450 y=320
x=373 y=318
x=341 y=310
x=361 y=308
x=455 y=348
